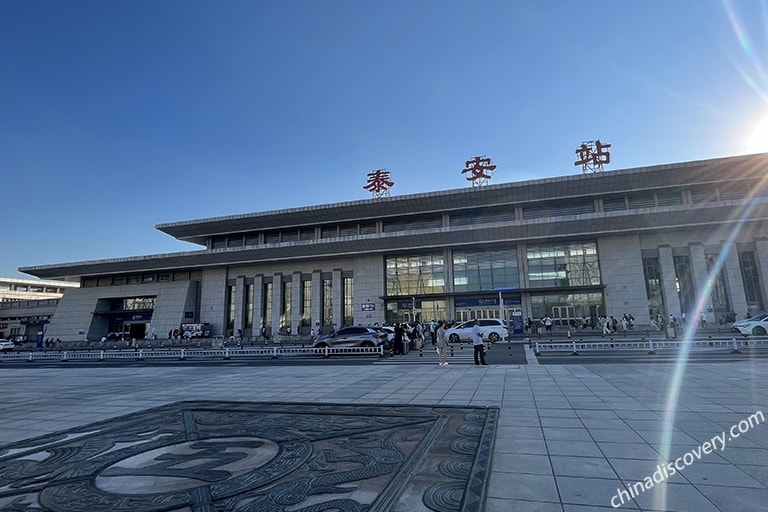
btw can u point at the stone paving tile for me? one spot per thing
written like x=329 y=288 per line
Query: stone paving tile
x=523 y=487
x=675 y=497
x=595 y=492
x=536 y=399
x=593 y=467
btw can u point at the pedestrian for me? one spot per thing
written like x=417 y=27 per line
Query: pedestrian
x=703 y=321
x=477 y=344
x=399 y=341
x=441 y=344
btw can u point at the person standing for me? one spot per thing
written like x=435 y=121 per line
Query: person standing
x=477 y=344
x=441 y=343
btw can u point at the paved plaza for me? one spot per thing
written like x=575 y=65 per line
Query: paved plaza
x=511 y=437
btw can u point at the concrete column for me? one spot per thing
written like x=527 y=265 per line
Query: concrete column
x=671 y=299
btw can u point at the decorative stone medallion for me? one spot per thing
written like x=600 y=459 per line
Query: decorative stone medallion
x=201 y=456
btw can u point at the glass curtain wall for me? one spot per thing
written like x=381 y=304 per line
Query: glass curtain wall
x=306 y=306
x=653 y=287
x=349 y=292
x=566 y=264
x=230 y=308
x=751 y=279
x=266 y=311
x=484 y=271
x=415 y=275
x=326 y=309
x=285 y=306
x=686 y=292
x=249 y=288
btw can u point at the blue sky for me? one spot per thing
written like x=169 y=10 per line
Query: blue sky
x=119 y=115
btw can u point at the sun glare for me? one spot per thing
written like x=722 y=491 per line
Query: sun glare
x=758 y=140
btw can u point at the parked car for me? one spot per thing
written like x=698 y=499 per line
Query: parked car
x=353 y=337
x=6 y=345
x=491 y=328
x=755 y=326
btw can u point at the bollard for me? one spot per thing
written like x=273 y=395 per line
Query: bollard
x=573 y=346
x=509 y=345
x=461 y=346
x=451 y=350
x=101 y=355
x=650 y=347
x=421 y=351
x=30 y=358
x=226 y=353
x=182 y=354
x=735 y=349
x=140 y=357
x=569 y=334
x=536 y=350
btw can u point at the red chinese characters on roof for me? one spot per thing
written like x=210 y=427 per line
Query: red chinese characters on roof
x=479 y=169
x=379 y=183
x=592 y=155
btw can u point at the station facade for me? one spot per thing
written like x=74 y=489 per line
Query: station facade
x=689 y=238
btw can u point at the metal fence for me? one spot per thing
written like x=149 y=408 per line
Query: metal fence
x=649 y=346
x=182 y=354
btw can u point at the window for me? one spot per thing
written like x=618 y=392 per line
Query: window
x=349 y=292
x=408 y=275
x=484 y=271
x=285 y=306
x=230 y=307
x=653 y=289
x=558 y=265
x=306 y=303
x=751 y=279
x=686 y=292
x=249 y=290
x=266 y=311
x=327 y=305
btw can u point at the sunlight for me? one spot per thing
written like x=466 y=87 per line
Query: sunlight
x=758 y=139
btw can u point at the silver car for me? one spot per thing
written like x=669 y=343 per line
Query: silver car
x=352 y=337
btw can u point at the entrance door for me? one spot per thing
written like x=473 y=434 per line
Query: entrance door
x=562 y=315
x=137 y=331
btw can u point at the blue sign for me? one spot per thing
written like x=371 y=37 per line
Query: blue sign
x=409 y=304
x=189 y=314
x=368 y=306
x=486 y=302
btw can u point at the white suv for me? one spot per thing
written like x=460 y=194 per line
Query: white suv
x=490 y=328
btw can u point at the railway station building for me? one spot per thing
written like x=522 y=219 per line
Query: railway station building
x=689 y=237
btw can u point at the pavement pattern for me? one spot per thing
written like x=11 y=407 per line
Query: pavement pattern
x=542 y=438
